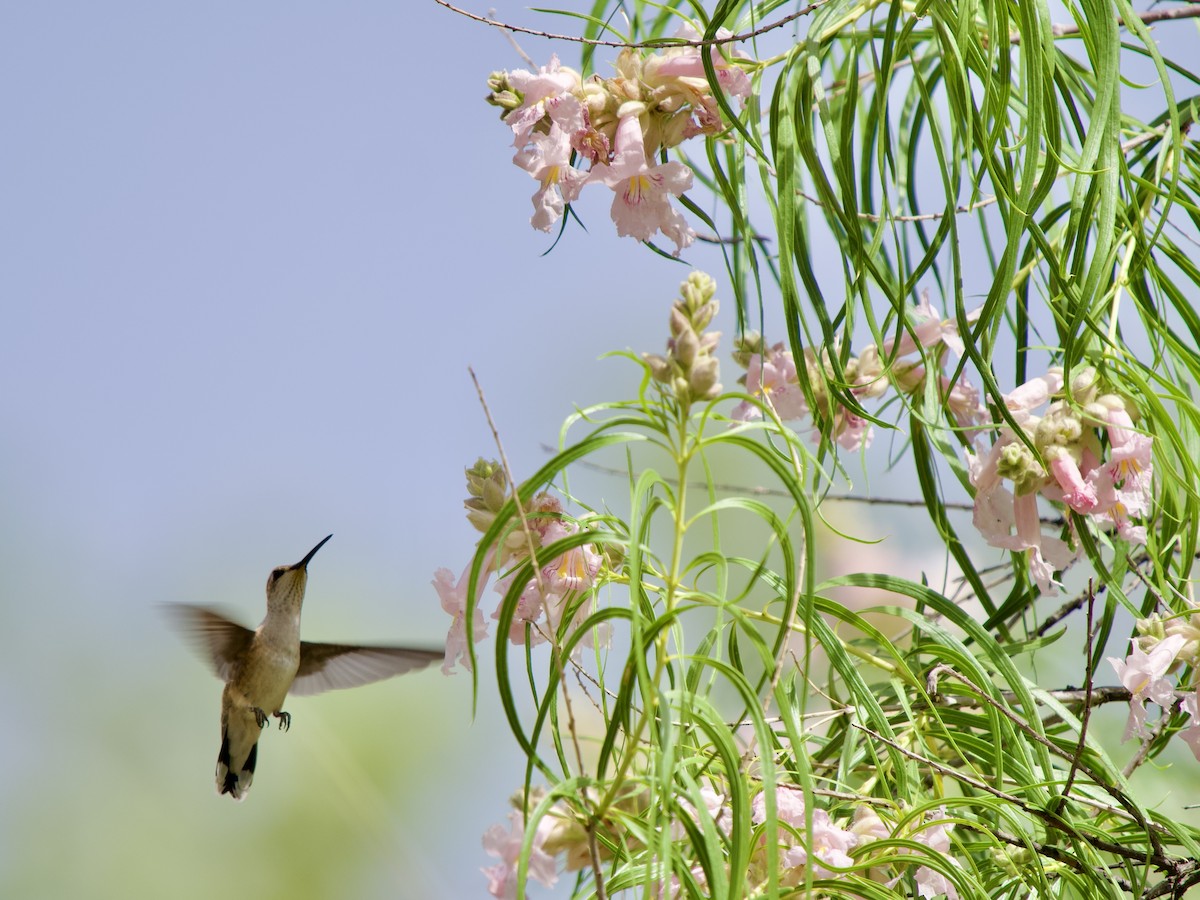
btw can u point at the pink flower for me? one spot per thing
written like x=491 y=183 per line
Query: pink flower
x=930 y=882
x=789 y=806
x=1123 y=483
x=714 y=803
x=1111 y=492
x=1144 y=675
x=1131 y=450
x=1033 y=393
x=576 y=569
x=964 y=402
x=928 y=330
x=1047 y=554
x=640 y=207
x=547 y=157
x=686 y=62
x=1191 y=734
x=868 y=825
x=1135 y=725
x=826 y=842
x=998 y=513
x=550 y=90
x=851 y=431
x=453 y=596
x=529 y=609
x=829 y=844
x=1077 y=493
x=564 y=579
x=506 y=846
x=774 y=378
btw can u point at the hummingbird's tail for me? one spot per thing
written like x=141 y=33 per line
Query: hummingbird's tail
x=231 y=778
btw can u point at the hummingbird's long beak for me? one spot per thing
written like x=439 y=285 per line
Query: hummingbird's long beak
x=303 y=564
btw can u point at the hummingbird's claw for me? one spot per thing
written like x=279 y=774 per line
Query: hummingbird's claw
x=260 y=717
x=285 y=720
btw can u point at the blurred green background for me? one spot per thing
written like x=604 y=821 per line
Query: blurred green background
x=249 y=251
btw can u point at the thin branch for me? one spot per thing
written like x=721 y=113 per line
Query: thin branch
x=1059 y=30
x=1097 y=696
x=1099 y=779
x=590 y=825
x=759 y=491
x=1046 y=816
x=1147 y=742
x=1186 y=874
x=1147 y=18
x=1086 y=714
x=640 y=45
x=920 y=217
x=1126 y=147
x=1077 y=602
x=1047 y=850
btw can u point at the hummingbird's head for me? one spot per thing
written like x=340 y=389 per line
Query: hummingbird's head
x=285 y=584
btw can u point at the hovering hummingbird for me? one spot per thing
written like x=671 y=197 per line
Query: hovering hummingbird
x=260 y=668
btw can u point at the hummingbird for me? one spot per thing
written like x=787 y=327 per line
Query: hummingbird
x=261 y=667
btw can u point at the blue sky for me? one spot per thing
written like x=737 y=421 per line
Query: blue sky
x=249 y=252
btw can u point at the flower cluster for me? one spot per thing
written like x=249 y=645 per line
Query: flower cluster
x=1059 y=455
x=811 y=843
x=827 y=848
x=689 y=368
x=1082 y=451
x=793 y=391
x=561 y=833
x=617 y=127
x=505 y=845
x=562 y=586
x=1162 y=647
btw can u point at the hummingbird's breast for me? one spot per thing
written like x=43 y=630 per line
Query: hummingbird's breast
x=267 y=672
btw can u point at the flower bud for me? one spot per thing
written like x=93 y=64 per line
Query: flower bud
x=678 y=320
x=1085 y=384
x=689 y=367
x=1059 y=427
x=502 y=93
x=703 y=383
x=660 y=367
x=868 y=826
x=748 y=346
x=685 y=347
x=1018 y=465
x=1188 y=627
x=488 y=490
x=865 y=374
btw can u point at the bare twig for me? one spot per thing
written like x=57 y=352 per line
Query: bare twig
x=1086 y=714
x=1192 y=11
x=589 y=825
x=1059 y=30
x=1097 y=778
x=760 y=491
x=657 y=43
x=1047 y=816
x=1077 y=602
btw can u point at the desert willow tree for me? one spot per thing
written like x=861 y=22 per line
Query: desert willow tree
x=972 y=226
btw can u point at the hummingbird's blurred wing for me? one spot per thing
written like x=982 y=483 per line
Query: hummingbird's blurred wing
x=215 y=638
x=330 y=667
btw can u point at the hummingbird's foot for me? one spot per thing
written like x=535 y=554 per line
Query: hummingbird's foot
x=285 y=720
x=260 y=717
